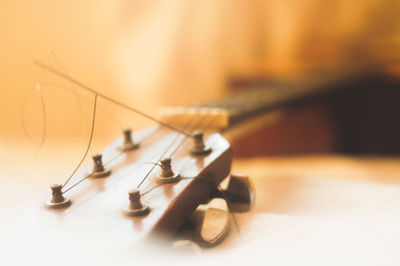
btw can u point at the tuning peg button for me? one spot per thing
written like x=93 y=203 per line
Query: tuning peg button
x=98 y=167
x=136 y=208
x=199 y=147
x=167 y=175
x=240 y=193
x=57 y=200
x=129 y=144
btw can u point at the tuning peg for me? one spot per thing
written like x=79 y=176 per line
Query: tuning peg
x=136 y=208
x=167 y=175
x=199 y=147
x=239 y=194
x=129 y=144
x=57 y=200
x=208 y=226
x=213 y=223
x=98 y=167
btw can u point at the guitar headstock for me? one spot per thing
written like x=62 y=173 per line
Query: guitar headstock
x=131 y=190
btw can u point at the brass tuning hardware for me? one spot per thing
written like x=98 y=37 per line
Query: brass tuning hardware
x=57 y=200
x=240 y=193
x=167 y=175
x=129 y=143
x=209 y=225
x=199 y=147
x=211 y=222
x=98 y=167
x=136 y=208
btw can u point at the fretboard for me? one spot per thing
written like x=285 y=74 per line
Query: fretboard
x=261 y=97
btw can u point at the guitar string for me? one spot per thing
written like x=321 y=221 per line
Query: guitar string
x=44 y=130
x=72 y=80
x=230 y=213
x=158 y=185
x=92 y=130
x=93 y=123
x=91 y=174
x=137 y=111
x=179 y=145
x=203 y=130
x=112 y=118
x=90 y=141
x=23 y=123
x=44 y=120
x=164 y=152
x=105 y=164
x=23 y=106
x=171 y=144
x=75 y=91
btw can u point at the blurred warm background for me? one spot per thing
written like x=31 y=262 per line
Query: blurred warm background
x=155 y=53
x=150 y=53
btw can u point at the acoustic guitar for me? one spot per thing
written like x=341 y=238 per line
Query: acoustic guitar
x=148 y=184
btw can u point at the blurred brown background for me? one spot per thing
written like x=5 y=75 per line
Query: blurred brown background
x=150 y=54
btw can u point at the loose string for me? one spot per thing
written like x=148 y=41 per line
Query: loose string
x=67 y=77
x=24 y=102
x=77 y=96
x=111 y=118
x=44 y=117
x=90 y=141
x=44 y=120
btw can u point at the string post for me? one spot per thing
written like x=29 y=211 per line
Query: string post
x=128 y=144
x=57 y=200
x=98 y=167
x=135 y=207
x=167 y=175
x=199 y=147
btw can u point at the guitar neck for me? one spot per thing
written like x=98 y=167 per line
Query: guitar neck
x=260 y=97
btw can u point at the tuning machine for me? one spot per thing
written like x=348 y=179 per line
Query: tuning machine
x=99 y=169
x=210 y=224
x=128 y=144
x=239 y=194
